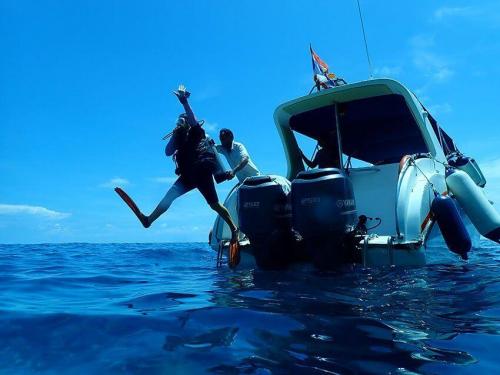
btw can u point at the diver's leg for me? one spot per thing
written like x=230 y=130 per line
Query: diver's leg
x=206 y=186
x=130 y=202
x=179 y=188
x=234 y=247
x=226 y=216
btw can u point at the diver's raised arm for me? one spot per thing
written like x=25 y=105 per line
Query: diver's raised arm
x=183 y=95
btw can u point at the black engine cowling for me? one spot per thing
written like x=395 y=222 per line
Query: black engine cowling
x=264 y=215
x=324 y=211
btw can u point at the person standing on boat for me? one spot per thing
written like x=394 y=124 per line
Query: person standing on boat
x=328 y=154
x=237 y=157
x=195 y=166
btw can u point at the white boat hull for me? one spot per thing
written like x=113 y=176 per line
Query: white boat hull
x=399 y=194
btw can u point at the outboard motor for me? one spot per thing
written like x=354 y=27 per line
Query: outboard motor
x=323 y=212
x=264 y=215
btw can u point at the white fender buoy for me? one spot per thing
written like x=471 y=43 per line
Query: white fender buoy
x=469 y=166
x=475 y=204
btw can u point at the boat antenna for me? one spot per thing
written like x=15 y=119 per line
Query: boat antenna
x=366 y=44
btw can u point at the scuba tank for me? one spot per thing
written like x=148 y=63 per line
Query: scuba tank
x=202 y=151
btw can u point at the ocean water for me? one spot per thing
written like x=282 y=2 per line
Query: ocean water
x=166 y=309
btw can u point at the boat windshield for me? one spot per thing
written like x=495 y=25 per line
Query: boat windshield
x=444 y=139
x=376 y=130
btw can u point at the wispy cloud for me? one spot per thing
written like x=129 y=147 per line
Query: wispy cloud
x=22 y=209
x=56 y=229
x=211 y=126
x=164 y=180
x=453 y=12
x=491 y=168
x=428 y=61
x=209 y=91
x=440 y=109
x=387 y=71
x=436 y=109
x=491 y=171
x=483 y=14
x=114 y=182
x=182 y=229
x=422 y=93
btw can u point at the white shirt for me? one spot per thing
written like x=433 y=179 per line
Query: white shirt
x=234 y=157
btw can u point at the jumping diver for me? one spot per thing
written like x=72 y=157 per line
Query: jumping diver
x=196 y=164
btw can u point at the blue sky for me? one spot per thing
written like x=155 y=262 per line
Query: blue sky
x=85 y=95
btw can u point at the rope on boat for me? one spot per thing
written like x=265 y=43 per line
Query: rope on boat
x=366 y=43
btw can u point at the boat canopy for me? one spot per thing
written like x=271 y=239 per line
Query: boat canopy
x=377 y=130
x=378 y=121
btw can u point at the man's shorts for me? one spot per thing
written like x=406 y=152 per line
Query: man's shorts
x=202 y=180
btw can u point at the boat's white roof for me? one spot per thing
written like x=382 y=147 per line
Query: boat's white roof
x=347 y=93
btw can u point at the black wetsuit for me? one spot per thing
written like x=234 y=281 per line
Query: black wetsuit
x=195 y=163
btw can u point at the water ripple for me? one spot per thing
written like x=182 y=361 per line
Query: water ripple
x=165 y=308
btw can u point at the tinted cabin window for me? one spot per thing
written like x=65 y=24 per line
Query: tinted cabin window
x=314 y=123
x=377 y=130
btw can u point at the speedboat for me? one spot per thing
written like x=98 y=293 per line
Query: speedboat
x=400 y=182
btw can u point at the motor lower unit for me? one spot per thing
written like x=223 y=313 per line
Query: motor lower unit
x=264 y=215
